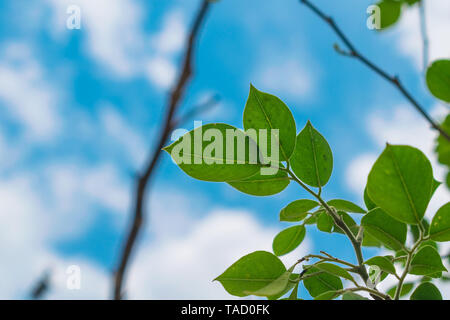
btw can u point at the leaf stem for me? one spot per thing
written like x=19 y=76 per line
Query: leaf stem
x=341 y=224
x=407 y=266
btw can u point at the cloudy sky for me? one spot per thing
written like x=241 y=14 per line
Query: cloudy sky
x=80 y=109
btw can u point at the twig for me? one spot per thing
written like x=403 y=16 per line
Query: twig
x=423 y=32
x=357 y=55
x=198 y=109
x=41 y=286
x=341 y=224
x=360 y=268
x=143 y=179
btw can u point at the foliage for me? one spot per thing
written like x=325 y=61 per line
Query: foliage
x=391 y=11
x=399 y=188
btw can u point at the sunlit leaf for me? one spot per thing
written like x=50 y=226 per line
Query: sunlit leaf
x=440 y=225
x=251 y=273
x=216 y=164
x=288 y=240
x=426 y=291
x=426 y=261
x=400 y=183
x=438 y=79
x=346 y=206
x=312 y=160
x=265 y=111
x=262 y=185
x=297 y=210
x=388 y=231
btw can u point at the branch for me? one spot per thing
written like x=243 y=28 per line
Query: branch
x=341 y=224
x=41 y=287
x=144 y=178
x=361 y=269
x=394 y=80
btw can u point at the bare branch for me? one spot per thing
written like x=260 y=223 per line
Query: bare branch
x=41 y=287
x=144 y=178
x=357 y=55
x=198 y=109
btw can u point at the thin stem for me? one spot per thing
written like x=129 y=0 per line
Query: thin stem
x=331 y=259
x=341 y=224
x=407 y=266
x=371 y=291
x=392 y=79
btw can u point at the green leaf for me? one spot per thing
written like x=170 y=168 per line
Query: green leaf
x=440 y=225
x=321 y=282
x=383 y=263
x=312 y=160
x=443 y=145
x=275 y=288
x=313 y=218
x=352 y=296
x=251 y=273
x=212 y=161
x=265 y=111
x=262 y=185
x=348 y=221
x=438 y=79
x=288 y=240
x=297 y=210
x=426 y=261
x=346 y=206
x=334 y=270
x=388 y=231
x=400 y=183
x=329 y=295
x=426 y=291
x=291 y=284
x=325 y=222
x=406 y=288
x=370 y=241
x=389 y=12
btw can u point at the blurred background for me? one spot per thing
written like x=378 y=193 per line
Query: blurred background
x=81 y=109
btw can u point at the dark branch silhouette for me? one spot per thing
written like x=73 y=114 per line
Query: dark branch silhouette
x=357 y=55
x=41 y=287
x=169 y=122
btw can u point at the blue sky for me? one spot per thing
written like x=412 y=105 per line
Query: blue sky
x=80 y=109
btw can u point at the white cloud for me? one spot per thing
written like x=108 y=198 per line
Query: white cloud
x=358 y=170
x=438 y=25
x=180 y=256
x=402 y=125
x=26 y=94
x=26 y=226
x=287 y=77
x=116 y=39
x=98 y=184
x=160 y=71
x=116 y=128
x=172 y=35
x=112 y=28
